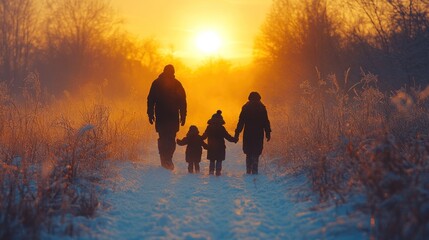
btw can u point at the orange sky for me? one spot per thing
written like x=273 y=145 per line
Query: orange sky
x=175 y=24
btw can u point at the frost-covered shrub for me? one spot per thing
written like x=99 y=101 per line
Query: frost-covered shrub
x=354 y=139
x=54 y=159
x=79 y=165
x=393 y=176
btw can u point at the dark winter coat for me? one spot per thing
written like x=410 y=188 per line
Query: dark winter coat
x=166 y=100
x=216 y=134
x=254 y=119
x=194 y=150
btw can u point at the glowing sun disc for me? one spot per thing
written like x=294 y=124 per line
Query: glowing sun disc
x=208 y=42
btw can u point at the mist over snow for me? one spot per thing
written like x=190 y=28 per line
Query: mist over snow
x=149 y=202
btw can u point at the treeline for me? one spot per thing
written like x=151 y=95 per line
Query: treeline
x=349 y=134
x=57 y=142
x=70 y=44
x=302 y=40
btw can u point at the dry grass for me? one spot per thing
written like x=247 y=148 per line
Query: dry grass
x=354 y=139
x=55 y=157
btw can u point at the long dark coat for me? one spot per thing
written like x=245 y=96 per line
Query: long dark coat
x=166 y=100
x=216 y=134
x=194 y=148
x=254 y=119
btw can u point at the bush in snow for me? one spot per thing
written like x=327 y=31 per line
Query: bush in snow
x=55 y=158
x=352 y=139
x=393 y=176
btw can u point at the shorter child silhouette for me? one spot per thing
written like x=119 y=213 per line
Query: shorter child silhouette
x=216 y=134
x=194 y=143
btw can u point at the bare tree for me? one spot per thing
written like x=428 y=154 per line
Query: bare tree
x=410 y=38
x=79 y=27
x=85 y=44
x=18 y=24
x=297 y=38
x=77 y=34
x=389 y=37
x=384 y=19
x=397 y=33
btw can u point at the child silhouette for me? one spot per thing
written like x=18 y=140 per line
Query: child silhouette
x=216 y=134
x=194 y=143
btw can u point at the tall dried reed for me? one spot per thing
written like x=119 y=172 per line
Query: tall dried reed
x=56 y=157
x=355 y=139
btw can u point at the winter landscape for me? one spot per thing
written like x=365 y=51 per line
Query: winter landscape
x=95 y=94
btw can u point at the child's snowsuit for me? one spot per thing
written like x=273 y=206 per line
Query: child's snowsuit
x=194 y=150
x=216 y=134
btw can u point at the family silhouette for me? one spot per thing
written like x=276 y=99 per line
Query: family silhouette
x=167 y=108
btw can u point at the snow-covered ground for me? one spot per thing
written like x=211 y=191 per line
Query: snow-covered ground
x=149 y=202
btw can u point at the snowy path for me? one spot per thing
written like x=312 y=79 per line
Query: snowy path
x=153 y=203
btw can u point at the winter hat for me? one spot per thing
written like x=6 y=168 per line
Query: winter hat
x=217 y=118
x=254 y=96
x=169 y=69
x=193 y=130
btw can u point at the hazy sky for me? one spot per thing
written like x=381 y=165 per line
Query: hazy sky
x=176 y=23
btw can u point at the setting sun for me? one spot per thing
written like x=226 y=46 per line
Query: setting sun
x=193 y=30
x=208 y=42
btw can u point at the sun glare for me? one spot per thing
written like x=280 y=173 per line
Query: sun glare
x=208 y=42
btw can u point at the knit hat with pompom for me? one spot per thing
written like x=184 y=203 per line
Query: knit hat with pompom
x=217 y=118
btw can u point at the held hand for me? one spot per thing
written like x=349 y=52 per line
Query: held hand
x=151 y=119
x=182 y=121
x=236 y=135
x=268 y=137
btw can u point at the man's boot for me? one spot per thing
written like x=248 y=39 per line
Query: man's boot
x=163 y=162
x=255 y=163
x=190 y=167
x=165 y=153
x=167 y=164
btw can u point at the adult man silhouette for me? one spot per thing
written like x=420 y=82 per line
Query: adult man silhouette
x=165 y=103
